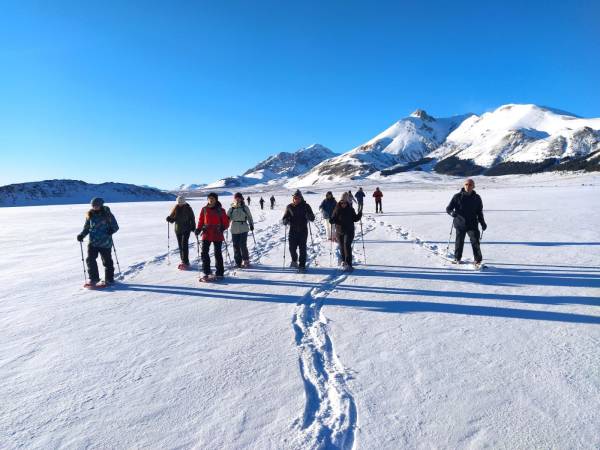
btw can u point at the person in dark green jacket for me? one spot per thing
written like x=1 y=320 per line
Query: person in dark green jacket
x=100 y=224
x=182 y=216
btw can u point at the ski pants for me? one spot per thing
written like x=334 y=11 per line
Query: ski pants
x=360 y=206
x=345 y=245
x=240 y=247
x=460 y=243
x=330 y=227
x=107 y=262
x=262 y=205
x=378 y=207
x=298 y=240
x=218 y=245
x=183 y=240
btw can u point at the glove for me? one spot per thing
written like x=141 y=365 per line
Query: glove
x=251 y=227
x=484 y=226
x=453 y=214
x=219 y=228
x=111 y=232
x=80 y=237
x=332 y=221
x=170 y=219
x=286 y=222
x=204 y=228
x=197 y=231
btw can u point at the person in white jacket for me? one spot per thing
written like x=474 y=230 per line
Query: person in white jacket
x=241 y=222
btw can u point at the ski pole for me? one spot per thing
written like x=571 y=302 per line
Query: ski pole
x=83 y=263
x=312 y=243
x=254 y=239
x=449 y=237
x=117 y=257
x=481 y=238
x=168 y=243
x=331 y=250
x=284 y=243
x=362 y=236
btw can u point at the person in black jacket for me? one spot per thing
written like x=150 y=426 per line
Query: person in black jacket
x=344 y=217
x=467 y=209
x=182 y=216
x=297 y=214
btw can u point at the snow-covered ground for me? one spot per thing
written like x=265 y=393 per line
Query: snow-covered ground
x=406 y=352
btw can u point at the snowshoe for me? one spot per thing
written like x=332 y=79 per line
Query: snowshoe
x=95 y=285
x=294 y=264
x=246 y=264
x=207 y=278
x=301 y=269
x=219 y=278
x=183 y=266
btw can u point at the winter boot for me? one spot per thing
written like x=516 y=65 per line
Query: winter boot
x=294 y=264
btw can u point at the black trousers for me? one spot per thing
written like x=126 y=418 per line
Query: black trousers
x=298 y=241
x=460 y=243
x=240 y=247
x=218 y=245
x=378 y=207
x=345 y=244
x=184 y=247
x=107 y=262
x=360 y=206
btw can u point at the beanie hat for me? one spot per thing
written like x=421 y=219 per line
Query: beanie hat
x=97 y=201
x=180 y=200
x=297 y=193
x=238 y=195
x=214 y=195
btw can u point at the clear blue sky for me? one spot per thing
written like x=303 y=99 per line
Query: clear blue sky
x=169 y=92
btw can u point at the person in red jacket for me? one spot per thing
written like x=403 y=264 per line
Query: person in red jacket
x=378 y=195
x=212 y=221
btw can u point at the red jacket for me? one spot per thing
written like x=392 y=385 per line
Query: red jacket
x=377 y=194
x=216 y=222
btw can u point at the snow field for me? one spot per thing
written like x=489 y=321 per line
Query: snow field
x=405 y=352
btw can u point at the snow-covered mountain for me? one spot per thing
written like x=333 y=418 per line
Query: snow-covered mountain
x=517 y=138
x=406 y=141
x=63 y=192
x=278 y=167
x=190 y=187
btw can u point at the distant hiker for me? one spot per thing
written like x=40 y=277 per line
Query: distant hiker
x=182 y=216
x=241 y=223
x=360 y=198
x=378 y=195
x=248 y=200
x=467 y=209
x=272 y=199
x=212 y=221
x=100 y=224
x=344 y=217
x=297 y=214
x=327 y=206
x=350 y=198
x=262 y=203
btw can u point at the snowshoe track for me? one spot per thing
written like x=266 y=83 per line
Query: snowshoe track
x=330 y=416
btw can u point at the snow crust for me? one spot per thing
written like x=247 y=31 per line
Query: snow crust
x=408 y=351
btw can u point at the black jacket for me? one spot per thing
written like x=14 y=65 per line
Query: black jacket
x=467 y=209
x=344 y=219
x=183 y=217
x=298 y=216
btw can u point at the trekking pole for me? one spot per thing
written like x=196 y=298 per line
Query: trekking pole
x=362 y=236
x=117 y=257
x=168 y=243
x=331 y=251
x=481 y=238
x=284 y=243
x=312 y=243
x=198 y=251
x=227 y=247
x=83 y=263
x=449 y=237
x=254 y=239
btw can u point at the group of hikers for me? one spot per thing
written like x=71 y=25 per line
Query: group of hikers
x=262 y=202
x=340 y=217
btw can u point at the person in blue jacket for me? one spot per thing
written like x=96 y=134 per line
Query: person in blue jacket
x=100 y=224
x=326 y=208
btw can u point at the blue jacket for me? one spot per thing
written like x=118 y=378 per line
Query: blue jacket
x=327 y=206
x=100 y=225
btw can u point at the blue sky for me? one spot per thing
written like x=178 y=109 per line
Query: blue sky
x=163 y=93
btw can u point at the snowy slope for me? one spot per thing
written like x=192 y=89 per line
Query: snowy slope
x=62 y=192
x=521 y=133
x=190 y=187
x=409 y=139
x=278 y=168
x=405 y=352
